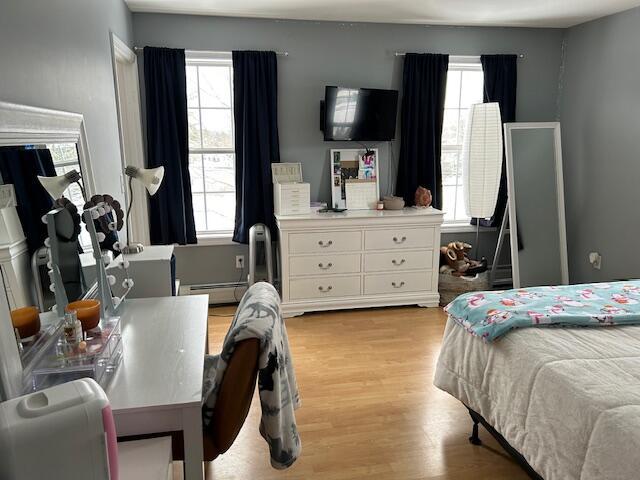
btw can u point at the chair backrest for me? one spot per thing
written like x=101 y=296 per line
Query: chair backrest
x=234 y=398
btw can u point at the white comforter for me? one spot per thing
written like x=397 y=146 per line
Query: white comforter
x=567 y=399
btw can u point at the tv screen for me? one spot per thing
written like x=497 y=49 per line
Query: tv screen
x=360 y=114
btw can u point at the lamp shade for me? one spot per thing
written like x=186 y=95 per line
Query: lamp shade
x=482 y=159
x=55 y=186
x=151 y=178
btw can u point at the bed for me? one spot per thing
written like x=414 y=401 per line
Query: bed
x=566 y=399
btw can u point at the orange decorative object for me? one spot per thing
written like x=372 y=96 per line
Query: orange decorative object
x=423 y=197
x=26 y=320
x=88 y=312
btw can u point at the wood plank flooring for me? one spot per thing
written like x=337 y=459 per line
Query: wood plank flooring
x=369 y=407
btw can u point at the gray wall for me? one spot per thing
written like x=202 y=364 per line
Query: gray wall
x=600 y=107
x=350 y=54
x=56 y=54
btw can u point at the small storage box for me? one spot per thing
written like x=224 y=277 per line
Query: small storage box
x=59 y=363
x=291 y=196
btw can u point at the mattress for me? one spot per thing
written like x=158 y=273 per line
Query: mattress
x=567 y=399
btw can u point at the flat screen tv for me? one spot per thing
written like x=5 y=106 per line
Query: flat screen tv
x=359 y=114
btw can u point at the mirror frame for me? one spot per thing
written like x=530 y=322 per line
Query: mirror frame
x=513 y=222
x=26 y=125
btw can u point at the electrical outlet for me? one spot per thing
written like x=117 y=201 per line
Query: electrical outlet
x=240 y=261
x=595 y=259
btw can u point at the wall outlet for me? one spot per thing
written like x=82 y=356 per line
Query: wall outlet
x=595 y=259
x=240 y=261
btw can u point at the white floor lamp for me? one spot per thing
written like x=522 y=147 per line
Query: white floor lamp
x=482 y=153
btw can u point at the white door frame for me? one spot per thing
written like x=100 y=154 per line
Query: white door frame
x=127 y=93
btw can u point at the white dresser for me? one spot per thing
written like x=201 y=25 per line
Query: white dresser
x=359 y=258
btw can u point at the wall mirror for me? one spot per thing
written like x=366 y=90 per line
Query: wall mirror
x=536 y=204
x=36 y=141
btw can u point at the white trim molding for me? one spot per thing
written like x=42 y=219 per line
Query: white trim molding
x=128 y=107
x=26 y=125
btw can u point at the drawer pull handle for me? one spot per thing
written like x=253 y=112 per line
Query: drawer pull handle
x=325 y=267
x=325 y=290
x=325 y=245
x=396 y=263
x=397 y=285
x=399 y=240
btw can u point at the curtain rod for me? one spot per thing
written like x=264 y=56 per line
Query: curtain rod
x=213 y=52
x=402 y=54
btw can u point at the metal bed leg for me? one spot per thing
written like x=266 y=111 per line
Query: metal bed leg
x=474 y=439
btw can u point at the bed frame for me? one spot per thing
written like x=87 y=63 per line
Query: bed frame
x=517 y=456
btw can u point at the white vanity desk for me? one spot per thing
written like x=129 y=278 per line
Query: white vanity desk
x=158 y=386
x=359 y=258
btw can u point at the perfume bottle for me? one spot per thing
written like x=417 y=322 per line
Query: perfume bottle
x=72 y=328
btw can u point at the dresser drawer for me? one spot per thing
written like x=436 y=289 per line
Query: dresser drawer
x=421 y=237
x=323 y=242
x=324 y=287
x=324 y=264
x=400 y=260
x=401 y=282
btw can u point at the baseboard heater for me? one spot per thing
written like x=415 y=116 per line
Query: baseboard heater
x=219 y=293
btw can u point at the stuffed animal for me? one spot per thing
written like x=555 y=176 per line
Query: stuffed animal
x=454 y=259
x=423 y=197
x=455 y=255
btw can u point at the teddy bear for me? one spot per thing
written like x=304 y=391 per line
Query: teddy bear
x=454 y=255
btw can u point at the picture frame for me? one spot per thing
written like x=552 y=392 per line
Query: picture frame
x=354 y=173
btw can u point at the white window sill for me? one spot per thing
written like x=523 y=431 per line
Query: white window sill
x=463 y=228
x=206 y=240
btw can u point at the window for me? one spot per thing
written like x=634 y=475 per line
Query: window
x=465 y=83
x=211 y=142
x=65 y=158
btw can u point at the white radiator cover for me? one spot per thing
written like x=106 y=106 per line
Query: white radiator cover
x=219 y=293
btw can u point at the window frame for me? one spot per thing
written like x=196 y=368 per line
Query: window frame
x=207 y=59
x=461 y=64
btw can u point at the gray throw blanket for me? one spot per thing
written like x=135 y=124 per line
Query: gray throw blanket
x=259 y=316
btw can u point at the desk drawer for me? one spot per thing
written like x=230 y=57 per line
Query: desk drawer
x=391 y=239
x=323 y=242
x=324 y=287
x=401 y=282
x=400 y=260
x=324 y=264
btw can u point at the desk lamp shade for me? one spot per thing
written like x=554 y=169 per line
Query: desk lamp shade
x=55 y=186
x=151 y=178
x=482 y=159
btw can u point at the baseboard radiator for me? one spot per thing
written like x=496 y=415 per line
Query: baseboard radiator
x=219 y=293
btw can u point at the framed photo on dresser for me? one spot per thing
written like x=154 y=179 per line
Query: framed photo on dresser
x=354 y=178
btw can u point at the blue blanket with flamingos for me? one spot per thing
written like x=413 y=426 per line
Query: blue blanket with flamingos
x=490 y=315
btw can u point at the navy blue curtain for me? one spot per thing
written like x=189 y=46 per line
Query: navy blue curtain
x=500 y=85
x=424 y=83
x=21 y=167
x=255 y=109
x=171 y=208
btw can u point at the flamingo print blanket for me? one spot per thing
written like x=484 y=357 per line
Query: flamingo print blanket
x=490 y=315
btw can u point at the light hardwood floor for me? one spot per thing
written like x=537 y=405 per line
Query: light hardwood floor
x=369 y=407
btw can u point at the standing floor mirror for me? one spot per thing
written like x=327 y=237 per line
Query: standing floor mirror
x=536 y=204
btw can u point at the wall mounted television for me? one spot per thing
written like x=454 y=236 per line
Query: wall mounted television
x=359 y=114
